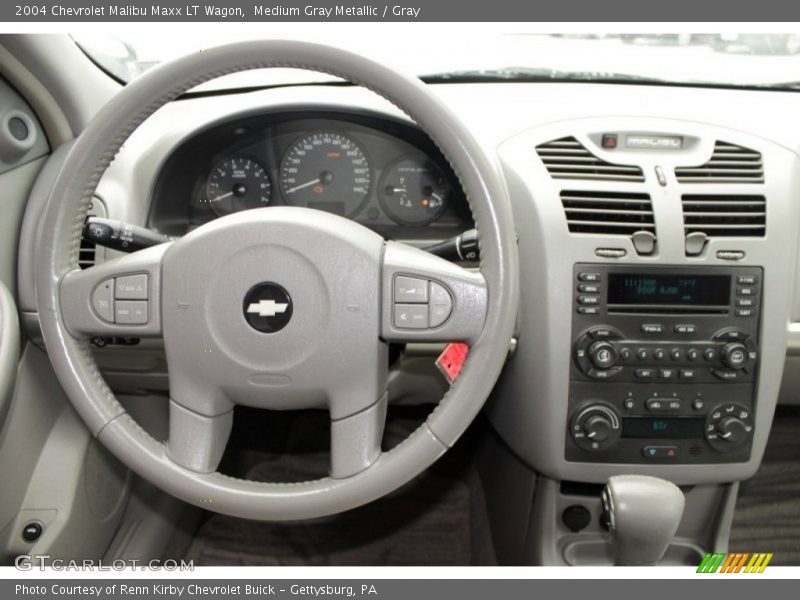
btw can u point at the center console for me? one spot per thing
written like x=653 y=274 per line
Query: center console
x=664 y=364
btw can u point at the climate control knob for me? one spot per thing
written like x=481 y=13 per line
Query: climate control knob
x=598 y=428
x=595 y=426
x=729 y=427
x=602 y=355
x=732 y=430
x=734 y=355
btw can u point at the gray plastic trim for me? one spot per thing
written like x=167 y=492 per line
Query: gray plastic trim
x=467 y=289
x=78 y=286
x=14 y=152
x=9 y=347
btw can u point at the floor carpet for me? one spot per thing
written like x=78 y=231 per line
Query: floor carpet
x=439 y=519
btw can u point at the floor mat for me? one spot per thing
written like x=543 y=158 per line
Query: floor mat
x=767 y=516
x=439 y=519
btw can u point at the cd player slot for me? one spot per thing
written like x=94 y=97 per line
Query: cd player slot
x=621 y=309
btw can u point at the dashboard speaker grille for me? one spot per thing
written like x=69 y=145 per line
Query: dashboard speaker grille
x=614 y=213
x=720 y=215
x=567 y=158
x=728 y=164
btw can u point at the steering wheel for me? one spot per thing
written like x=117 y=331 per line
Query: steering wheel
x=278 y=308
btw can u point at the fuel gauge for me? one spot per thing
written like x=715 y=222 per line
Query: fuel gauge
x=413 y=191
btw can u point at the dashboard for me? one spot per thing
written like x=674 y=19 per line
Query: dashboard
x=379 y=172
x=642 y=212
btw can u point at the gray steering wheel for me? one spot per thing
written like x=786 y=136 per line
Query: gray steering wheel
x=278 y=308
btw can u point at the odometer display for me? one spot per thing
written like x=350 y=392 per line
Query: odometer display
x=326 y=170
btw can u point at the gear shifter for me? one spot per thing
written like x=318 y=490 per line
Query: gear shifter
x=643 y=514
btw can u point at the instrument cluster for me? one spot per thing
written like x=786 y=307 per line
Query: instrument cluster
x=382 y=173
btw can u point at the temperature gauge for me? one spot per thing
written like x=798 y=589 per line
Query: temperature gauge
x=414 y=191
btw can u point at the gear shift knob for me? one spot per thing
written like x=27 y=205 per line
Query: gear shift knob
x=643 y=514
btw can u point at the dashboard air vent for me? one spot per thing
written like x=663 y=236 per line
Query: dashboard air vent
x=88 y=253
x=614 y=213
x=567 y=158
x=718 y=215
x=728 y=164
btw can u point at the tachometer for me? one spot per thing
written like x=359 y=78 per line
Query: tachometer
x=237 y=183
x=413 y=191
x=326 y=170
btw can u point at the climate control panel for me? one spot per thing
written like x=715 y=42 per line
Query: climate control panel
x=664 y=364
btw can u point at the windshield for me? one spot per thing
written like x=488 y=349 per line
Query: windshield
x=436 y=52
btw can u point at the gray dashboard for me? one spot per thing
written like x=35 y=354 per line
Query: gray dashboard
x=529 y=407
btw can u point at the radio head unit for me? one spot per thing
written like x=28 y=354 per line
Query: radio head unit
x=664 y=363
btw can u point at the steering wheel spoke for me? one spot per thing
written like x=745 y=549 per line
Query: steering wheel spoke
x=197 y=441
x=119 y=297
x=356 y=440
x=429 y=299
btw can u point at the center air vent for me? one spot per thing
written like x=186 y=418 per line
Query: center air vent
x=729 y=164
x=718 y=215
x=567 y=158
x=610 y=213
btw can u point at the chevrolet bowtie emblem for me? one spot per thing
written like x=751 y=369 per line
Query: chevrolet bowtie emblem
x=267 y=308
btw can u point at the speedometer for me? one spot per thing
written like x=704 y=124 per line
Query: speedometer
x=326 y=170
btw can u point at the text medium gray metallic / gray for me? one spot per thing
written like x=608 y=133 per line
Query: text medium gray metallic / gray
x=413 y=10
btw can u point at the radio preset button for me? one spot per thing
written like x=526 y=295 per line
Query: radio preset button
x=710 y=354
x=659 y=354
x=676 y=354
x=590 y=277
x=642 y=354
x=626 y=354
x=692 y=354
x=652 y=328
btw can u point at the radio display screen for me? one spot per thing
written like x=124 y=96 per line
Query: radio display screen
x=676 y=290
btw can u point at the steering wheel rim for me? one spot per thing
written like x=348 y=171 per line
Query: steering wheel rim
x=72 y=360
